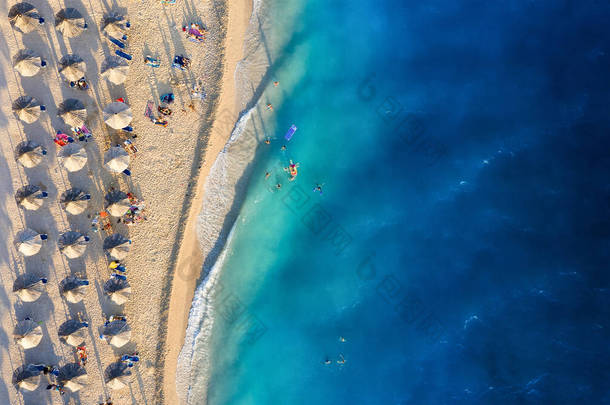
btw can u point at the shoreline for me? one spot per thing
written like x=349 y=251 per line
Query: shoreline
x=188 y=266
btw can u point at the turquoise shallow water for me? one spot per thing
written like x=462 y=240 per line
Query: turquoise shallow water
x=448 y=245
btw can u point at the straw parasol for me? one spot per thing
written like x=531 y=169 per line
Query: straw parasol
x=117 y=246
x=72 y=332
x=117 y=203
x=118 y=290
x=115 y=69
x=29 y=242
x=117 y=375
x=27 y=109
x=28 y=63
x=117 y=115
x=26 y=377
x=72 y=157
x=29 y=154
x=27 y=334
x=73 y=112
x=114 y=25
x=116 y=159
x=72 y=244
x=29 y=197
x=117 y=333
x=24 y=17
x=70 y=22
x=74 y=201
x=73 y=288
x=29 y=287
x=72 y=67
x=73 y=377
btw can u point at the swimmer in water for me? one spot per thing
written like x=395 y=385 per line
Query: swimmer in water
x=267 y=174
x=342 y=339
x=267 y=141
x=283 y=147
x=269 y=107
x=276 y=83
x=341 y=359
x=278 y=186
x=318 y=188
x=327 y=361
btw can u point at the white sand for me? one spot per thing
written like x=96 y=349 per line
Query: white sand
x=164 y=175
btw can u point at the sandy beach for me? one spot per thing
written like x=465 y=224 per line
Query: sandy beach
x=168 y=173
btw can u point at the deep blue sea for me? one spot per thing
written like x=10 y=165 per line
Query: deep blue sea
x=460 y=244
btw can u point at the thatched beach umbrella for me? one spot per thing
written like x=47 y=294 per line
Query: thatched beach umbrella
x=118 y=290
x=72 y=244
x=72 y=67
x=28 y=242
x=117 y=333
x=24 y=17
x=117 y=115
x=73 y=332
x=27 y=109
x=28 y=62
x=74 y=201
x=115 y=25
x=73 y=112
x=115 y=69
x=72 y=157
x=30 y=197
x=116 y=159
x=73 y=377
x=70 y=22
x=73 y=288
x=117 y=375
x=117 y=246
x=29 y=154
x=29 y=287
x=117 y=203
x=27 y=334
x=26 y=377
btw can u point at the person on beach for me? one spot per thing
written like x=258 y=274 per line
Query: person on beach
x=116 y=265
x=118 y=276
x=81 y=354
x=130 y=360
x=56 y=387
x=107 y=402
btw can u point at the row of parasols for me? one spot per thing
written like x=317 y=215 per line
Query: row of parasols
x=71 y=66
x=69 y=21
x=71 y=157
x=117 y=115
x=71 y=376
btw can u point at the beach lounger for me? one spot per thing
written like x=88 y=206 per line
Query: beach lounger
x=123 y=54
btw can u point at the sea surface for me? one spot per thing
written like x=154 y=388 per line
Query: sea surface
x=459 y=250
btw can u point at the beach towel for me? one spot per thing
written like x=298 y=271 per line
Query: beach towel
x=62 y=139
x=148 y=112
